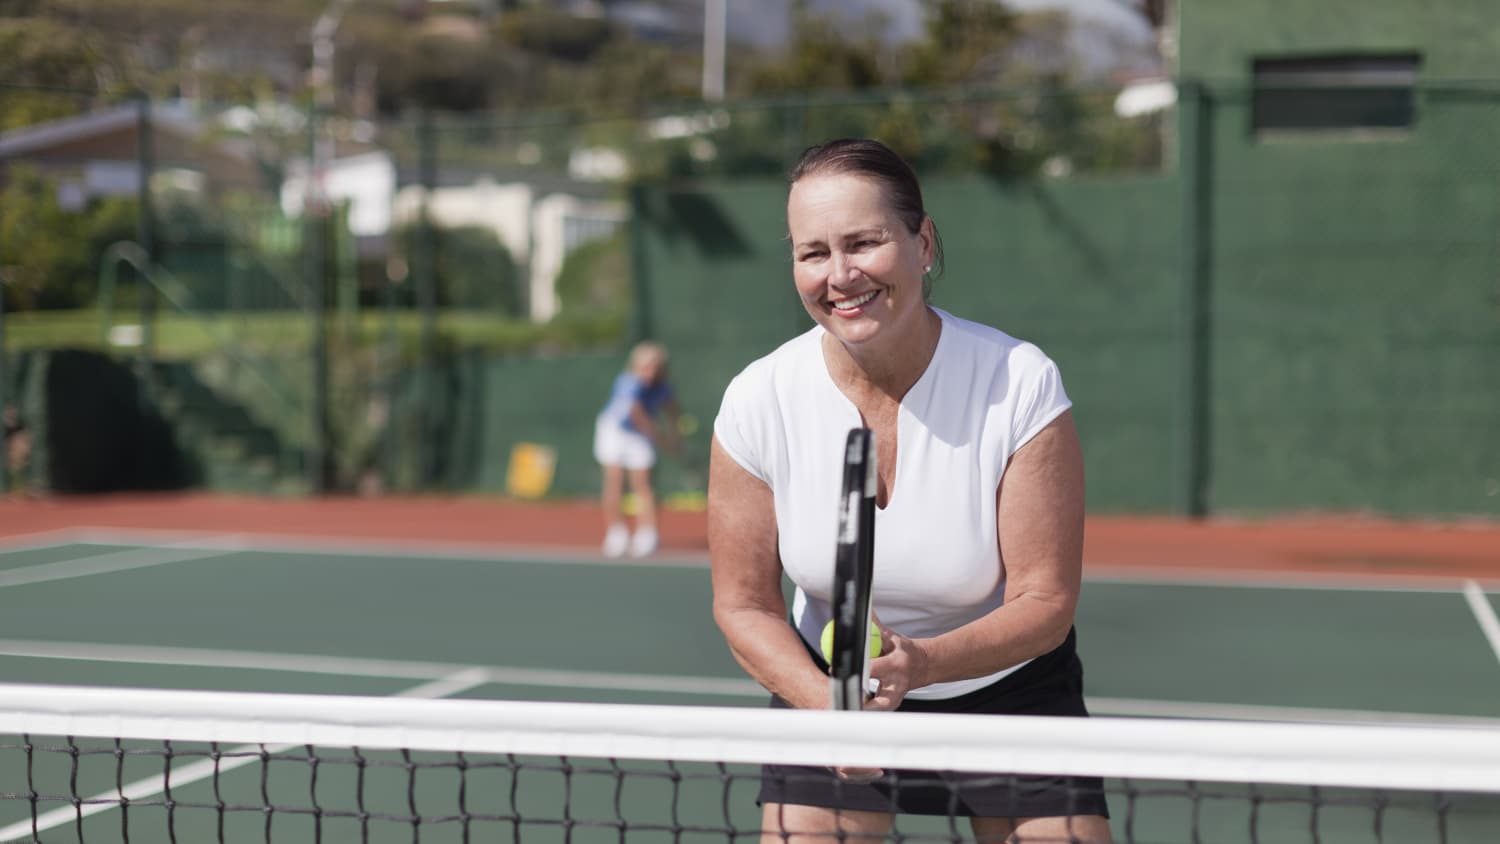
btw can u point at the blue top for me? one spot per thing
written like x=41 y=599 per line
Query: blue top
x=628 y=390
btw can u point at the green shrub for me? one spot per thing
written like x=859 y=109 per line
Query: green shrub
x=595 y=278
x=474 y=269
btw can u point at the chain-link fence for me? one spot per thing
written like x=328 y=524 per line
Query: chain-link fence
x=313 y=301
x=296 y=284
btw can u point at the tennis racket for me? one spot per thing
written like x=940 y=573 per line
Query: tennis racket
x=853 y=569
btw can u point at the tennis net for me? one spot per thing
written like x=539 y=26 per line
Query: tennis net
x=110 y=764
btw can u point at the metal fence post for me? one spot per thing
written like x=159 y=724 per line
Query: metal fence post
x=640 y=270
x=4 y=401
x=390 y=358
x=425 y=280
x=145 y=235
x=1194 y=166
x=314 y=258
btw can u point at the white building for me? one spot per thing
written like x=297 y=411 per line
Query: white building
x=538 y=227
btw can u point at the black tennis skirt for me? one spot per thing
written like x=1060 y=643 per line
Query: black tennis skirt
x=1051 y=684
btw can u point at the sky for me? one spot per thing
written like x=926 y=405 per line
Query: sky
x=765 y=22
x=1110 y=38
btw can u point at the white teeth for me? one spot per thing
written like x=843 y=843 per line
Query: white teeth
x=847 y=304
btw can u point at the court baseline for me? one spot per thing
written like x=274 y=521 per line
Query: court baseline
x=109 y=563
x=442 y=677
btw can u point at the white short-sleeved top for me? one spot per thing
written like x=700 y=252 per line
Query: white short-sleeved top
x=937 y=561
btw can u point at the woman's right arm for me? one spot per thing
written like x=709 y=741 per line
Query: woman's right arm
x=748 y=603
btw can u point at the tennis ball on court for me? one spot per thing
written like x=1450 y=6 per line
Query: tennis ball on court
x=874 y=646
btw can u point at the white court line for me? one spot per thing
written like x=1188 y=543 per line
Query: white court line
x=212 y=658
x=1484 y=613
x=423 y=549
x=138 y=558
x=1132 y=707
x=200 y=770
x=383 y=668
x=459 y=681
x=469 y=676
x=443 y=550
x=40 y=539
x=1254 y=579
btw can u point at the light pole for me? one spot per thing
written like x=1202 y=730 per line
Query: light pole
x=315 y=208
x=323 y=33
x=714 y=25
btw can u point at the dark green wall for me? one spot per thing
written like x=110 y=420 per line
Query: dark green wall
x=1350 y=289
x=544 y=401
x=487 y=405
x=1348 y=284
x=1086 y=269
x=1351 y=310
x=94 y=431
x=1355 y=321
x=1352 y=278
x=1458 y=39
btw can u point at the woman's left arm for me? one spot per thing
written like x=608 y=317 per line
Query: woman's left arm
x=1039 y=509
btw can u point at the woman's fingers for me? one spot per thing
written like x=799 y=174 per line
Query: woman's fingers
x=892 y=670
x=887 y=696
x=859 y=774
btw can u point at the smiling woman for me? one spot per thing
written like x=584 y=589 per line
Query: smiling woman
x=979 y=492
x=859 y=263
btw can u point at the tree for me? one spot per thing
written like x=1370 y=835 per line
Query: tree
x=819 y=57
x=552 y=34
x=51 y=255
x=962 y=44
x=474 y=269
x=48 y=69
x=595 y=278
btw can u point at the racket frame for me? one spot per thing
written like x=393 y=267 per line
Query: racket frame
x=853 y=572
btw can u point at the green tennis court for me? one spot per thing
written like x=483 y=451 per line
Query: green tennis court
x=226 y=615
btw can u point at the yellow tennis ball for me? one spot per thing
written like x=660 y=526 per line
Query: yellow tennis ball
x=874 y=646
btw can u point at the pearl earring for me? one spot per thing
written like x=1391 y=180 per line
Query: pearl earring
x=927 y=269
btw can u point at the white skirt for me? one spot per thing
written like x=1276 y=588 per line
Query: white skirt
x=617 y=446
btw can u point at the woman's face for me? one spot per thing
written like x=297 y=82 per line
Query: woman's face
x=650 y=369
x=857 y=267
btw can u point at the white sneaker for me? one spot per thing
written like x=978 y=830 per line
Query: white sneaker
x=615 y=540
x=643 y=543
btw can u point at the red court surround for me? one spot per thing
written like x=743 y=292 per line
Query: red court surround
x=1345 y=545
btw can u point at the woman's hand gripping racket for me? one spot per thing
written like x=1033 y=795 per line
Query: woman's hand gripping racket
x=853 y=570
